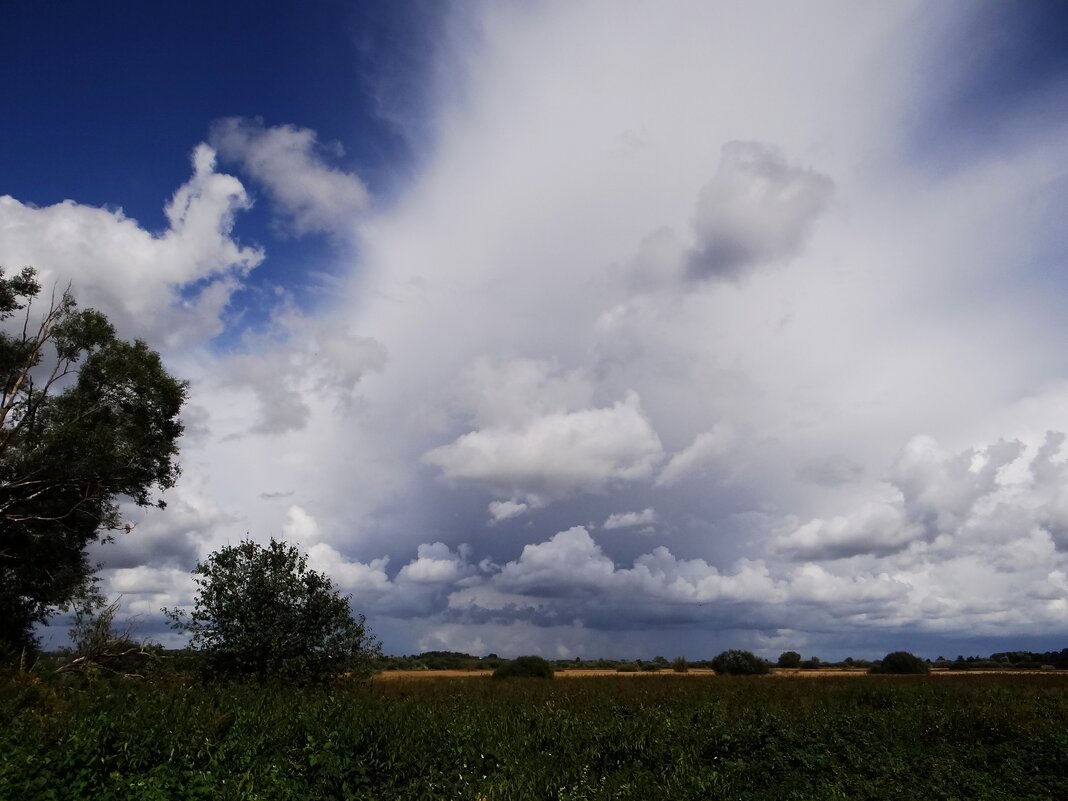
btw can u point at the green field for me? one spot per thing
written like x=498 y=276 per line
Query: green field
x=651 y=737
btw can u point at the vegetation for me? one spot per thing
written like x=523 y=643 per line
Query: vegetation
x=680 y=665
x=901 y=662
x=85 y=420
x=986 y=737
x=524 y=667
x=262 y=613
x=789 y=659
x=739 y=663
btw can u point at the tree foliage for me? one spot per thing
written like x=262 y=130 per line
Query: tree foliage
x=261 y=613
x=86 y=419
x=525 y=666
x=901 y=662
x=739 y=663
x=789 y=659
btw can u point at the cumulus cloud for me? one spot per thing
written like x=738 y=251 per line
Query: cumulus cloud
x=875 y=528
x=953 y=501
x=300 y=526
x=557 y=454
x=436 y=564
x=170 y=288
x=312 y=196
x=505 y=510
x=630 y=519
x=165 y=538
x=756 y=209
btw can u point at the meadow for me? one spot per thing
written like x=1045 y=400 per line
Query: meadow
x=659 y=736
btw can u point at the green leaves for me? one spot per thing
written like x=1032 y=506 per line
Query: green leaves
x=739 y=663
x=86 y=419
x=262 y=613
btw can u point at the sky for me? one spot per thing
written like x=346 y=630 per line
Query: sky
x=585 y=329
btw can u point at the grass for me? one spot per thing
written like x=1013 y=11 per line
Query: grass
x=666 y=736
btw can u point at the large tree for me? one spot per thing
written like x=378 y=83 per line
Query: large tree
x=86 y=420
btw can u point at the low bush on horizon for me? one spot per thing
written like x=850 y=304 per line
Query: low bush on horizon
x=739 y=663
x=525 y=666
x=901 y=663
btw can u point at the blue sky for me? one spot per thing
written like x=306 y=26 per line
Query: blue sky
x=110 y=96
x=581 y=328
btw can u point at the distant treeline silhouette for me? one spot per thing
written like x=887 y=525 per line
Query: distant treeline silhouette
x=457 y=660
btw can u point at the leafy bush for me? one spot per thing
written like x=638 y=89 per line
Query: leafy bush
x=901 y=662
x=261 y=613
x=525 y=667
x=680 y=665
x=739 y=663
x=626 y=667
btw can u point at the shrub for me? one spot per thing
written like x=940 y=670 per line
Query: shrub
x=626 y=667
x=739 y=663
x=680 y=665
x=901 y=662
x=525 y=666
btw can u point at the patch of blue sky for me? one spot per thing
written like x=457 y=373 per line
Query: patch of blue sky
x=108 y=101
x=996 y=73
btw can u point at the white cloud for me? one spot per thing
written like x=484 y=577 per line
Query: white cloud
x=945 y=504
x=144 y=282
x=557 y=454
x=502 y=393
x=285 y=159
x=876 y=528
x=784 y=341
x=756 y=209
x=294 y=362
x=505 y=510
x=708 y=448
x=300 y=527
x=435 y=564
x=630 y=519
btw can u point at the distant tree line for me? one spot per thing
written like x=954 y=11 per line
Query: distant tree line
x=457 y=660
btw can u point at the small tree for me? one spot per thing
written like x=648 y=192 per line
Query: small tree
x=261 y=613
x=901 y=662
x=789 y=659
x=680 y=665
x=739 y=663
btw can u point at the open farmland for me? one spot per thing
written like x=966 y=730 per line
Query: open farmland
x=599 y=737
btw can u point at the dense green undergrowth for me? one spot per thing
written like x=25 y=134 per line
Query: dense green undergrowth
x=651 y=737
